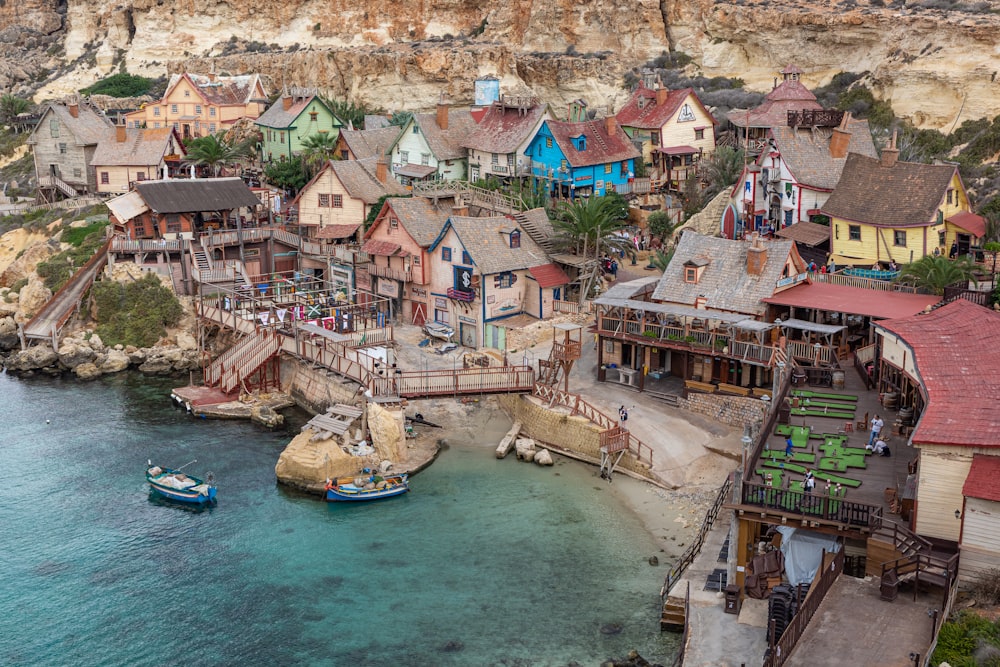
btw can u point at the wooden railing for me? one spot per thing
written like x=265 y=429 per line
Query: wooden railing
x=570 y=307
x=862 y=282
x=808 y=352
x=386 y=272
x=642 y=452
x=567 y=351
x=862 y=357
x=904 y=541
x=250 y=354
x=812 y=506
x=681 y=564
x=939 y=571
x=484 y=380
x=781 y=649
x=119 y=244
x=951 y=293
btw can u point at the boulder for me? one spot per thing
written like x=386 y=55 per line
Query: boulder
x=156 y=366
x=528 y=456
x=189 y=361
x=136 y=357
x=87 y=371
x=8 y=333
x=114 y=361
x=186 y=341
x=73 y=353
x=96 y=343
x=544 y=458
x=524 y=446
x=23 y=266
x=34 y=295
x=39 y=356
x=267 y=416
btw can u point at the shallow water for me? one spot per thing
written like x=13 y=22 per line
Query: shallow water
x=484 y=562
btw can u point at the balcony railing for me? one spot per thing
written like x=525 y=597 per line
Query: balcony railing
x=812 y=506
x=808 y=352
x=386 y=272
x=715 y=342
x=862 y=282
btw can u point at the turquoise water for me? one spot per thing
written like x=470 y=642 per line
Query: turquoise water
x=484 y=562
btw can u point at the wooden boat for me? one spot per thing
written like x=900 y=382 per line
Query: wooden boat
x=372 y=487
x=438 y=330
x=179 y=486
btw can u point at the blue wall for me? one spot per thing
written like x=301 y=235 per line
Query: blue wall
x=544 y=158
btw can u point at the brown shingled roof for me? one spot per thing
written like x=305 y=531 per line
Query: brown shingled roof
x=421 y=219
x=907 y=194
x=277 y=116
x=806 y=152
x=787 y=96
x=447 y=144
x=88 y=127
x=504 y=129
x=370 y=143
x=487 y=242
x=358 y=178
x=221 y=90
x=601 y=146
x=806 y=233
x=193 y=195
x=141 y=148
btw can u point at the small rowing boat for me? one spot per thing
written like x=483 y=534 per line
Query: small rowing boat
x=176 y=485
x=372 y=487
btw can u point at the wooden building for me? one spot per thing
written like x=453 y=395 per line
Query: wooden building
x=134 y=155
x=63 y=145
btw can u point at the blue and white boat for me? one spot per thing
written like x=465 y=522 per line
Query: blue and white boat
x=371 y=487
x=181 y=487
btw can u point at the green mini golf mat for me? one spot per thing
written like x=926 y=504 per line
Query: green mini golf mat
x=802 y=393
x=833 y=405
x=800 y=434
x=791 y=467
x=834 y=450
x=842 y=463
x=775 y=477
x=836 y=479
x=804 y=412
x=779 y=454
x=829 y=439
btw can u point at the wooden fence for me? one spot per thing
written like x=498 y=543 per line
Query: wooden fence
x=815 y=506
x=781 y=649
x=862 y=282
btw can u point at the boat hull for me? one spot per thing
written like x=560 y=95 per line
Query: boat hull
x=351 y=493
x=198 y=493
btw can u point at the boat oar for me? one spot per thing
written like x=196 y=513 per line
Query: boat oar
x=187 y=464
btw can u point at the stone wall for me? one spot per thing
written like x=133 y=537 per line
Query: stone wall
x=557 y=429
x=732 y=410
x=314 y=390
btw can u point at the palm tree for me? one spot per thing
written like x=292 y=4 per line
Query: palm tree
x=11 y=106
x=721 y=169
x=216 y=151
x=661 y=258
x=934 y=273
x=589 y=226
x=317 y=149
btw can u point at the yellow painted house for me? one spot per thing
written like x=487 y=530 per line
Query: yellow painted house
x=884 y=210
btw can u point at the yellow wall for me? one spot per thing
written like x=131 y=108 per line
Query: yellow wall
x=312 y=214
x=675 y=133
x=188 y=98
x=120 y=178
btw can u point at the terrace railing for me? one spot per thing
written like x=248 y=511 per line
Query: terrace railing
x=812 y=506
x=862 y=282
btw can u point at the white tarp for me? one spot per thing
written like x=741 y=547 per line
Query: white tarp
x=803 y=551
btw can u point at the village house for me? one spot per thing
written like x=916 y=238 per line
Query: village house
x=934 y=364
x=197 y=105
x=342 y=193
x=580 y=159
x=63 y=145
x=788 y=96
x=430 y=146
x=883 y=210
x=364 y=144
x=703 y=322
x=674 y=129
x=398 y=243
x=484 y=270
x=289 y=121
x=792 y=178
x=135 y=154
x=497 y=147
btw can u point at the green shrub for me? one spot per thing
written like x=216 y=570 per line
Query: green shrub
x=59 y=268
x=122 y=84
x=960 y=638
x=135 y=313
x=75 y=236
x=18 y=285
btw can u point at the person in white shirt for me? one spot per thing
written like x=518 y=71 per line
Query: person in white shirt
x=876 y=429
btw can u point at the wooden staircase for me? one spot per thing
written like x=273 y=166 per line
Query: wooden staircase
x=537 y=235
x=674 y=617
x=550 y=370
x=242 y=360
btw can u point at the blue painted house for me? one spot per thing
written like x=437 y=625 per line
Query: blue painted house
x=591 y=157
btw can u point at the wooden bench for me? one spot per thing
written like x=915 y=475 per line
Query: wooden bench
x=733 y=389
x=758 y=392
x=704 y=387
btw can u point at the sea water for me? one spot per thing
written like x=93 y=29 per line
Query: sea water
x=484 y=562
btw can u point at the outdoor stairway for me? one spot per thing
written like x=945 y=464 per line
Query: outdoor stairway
x=536 y=234
x=673 y=617
x=62 y=186
x=201 y=262
x=550 y=370
x=242 y=360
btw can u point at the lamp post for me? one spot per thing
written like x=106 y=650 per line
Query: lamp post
x=747 y=441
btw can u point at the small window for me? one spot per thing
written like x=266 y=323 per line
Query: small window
x=324 y=201
x=54 y=128
x=446 y=254
x=941 y=238
x=416 y=130
x=173 y=108
x=854 y=232
x=140 y=176
x=563 y=164
x=690 y=274
x=699 y=134
x=515 y=239
x=950 y=192
x=425 y=159
x=548 y=142
x=495 y=160
x=211 y=111
x=105 y=178
x=393 y=222
x=899 y=237
x=187 y=93
x=197 y=109
x=607 y=167
x=62 y=149
x=281 y=137
x=505 y=280
x=404 y=156
x=174 y=224
x=416 y=260
x=211 y=128
x=77 y=173
x=156 y=125
x=156 y=111
x=177 y=126
x=344 y=154
x=466 y=257
x=655 y=138
x=338 y=201
x=314 y=116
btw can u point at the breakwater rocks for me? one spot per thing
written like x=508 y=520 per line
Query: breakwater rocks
x=86 y=356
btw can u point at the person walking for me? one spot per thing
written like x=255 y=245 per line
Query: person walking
x=876 y=428
x=788 y=446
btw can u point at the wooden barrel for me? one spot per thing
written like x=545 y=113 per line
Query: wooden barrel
x=890 y=400
x=838 y=379
x=906 y=416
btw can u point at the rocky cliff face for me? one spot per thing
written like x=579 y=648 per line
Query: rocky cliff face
x=934 y=65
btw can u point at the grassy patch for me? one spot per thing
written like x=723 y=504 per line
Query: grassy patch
x=135 y=313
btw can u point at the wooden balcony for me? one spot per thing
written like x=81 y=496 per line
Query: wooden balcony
x=569 y=351
x=781 y=505
x=387 y=272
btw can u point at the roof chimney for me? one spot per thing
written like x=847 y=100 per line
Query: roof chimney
x=611 y=125
x=890 y=153
x=74 y=109
x=841 y=137
x=661 y=93
x=120 y=132
x=286 y=102
x=211 y=76
x=382 y=169
x=442 y=112
x=756 y=256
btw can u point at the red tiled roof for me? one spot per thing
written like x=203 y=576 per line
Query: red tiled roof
x=336 y=231
x=382 y=248
x=852 y=300
x=788 y=96
x=601 y=147
x=642 y=111
x=548 y=275
x=984 y=478
x=954 y=353
x=504 y=129
x=970 y=222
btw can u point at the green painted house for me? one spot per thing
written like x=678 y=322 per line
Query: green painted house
x=287 y=123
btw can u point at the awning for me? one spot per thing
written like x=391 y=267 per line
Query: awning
x=853 y=300
x=337 y=231
x=127 y=206
x=806 y=233
x=381 y=248
x=802 y=325
x=970 y=222
x=325 y=333
x=415 y=170
x=678 y=150
x=189 y=117
x=754 y=325
x=548 y=275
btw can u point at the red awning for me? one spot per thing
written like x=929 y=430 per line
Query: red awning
x=970 y=222
x=381 y=248
x=983 y=480
x=549 y=275
x=336 y=231
x=853 y=300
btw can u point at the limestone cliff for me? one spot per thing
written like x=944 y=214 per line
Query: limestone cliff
x=935 y=65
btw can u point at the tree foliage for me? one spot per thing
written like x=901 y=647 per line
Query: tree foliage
x=135 y=313
x=121 y=84
x=287 y=174
x=721 y=169
x=216 y=151
x=660 y=225
x=661 y=258
x=11 y=106
x=317 y=149
x=349 y=112
x=376 y=209
x=934 y=273
x=59 y=268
